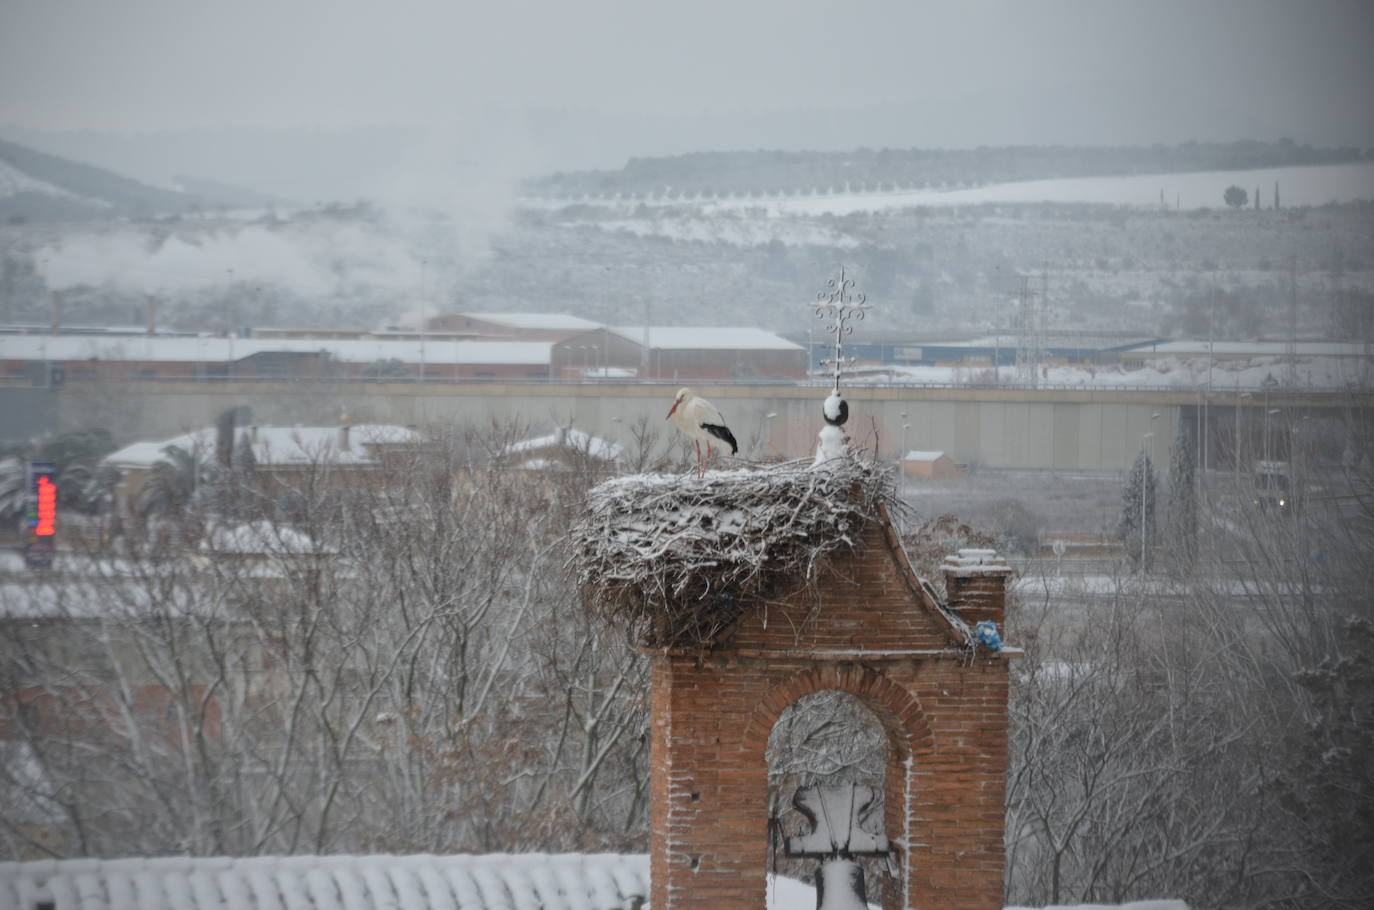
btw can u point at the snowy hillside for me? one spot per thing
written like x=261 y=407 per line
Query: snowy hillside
x=14 y=181
x=1299 y=186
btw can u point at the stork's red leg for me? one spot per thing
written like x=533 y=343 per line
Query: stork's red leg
x=700 y=472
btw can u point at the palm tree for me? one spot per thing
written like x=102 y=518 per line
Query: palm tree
x=13 y=489
x=174 y=481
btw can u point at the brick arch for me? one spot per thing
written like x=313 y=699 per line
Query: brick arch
x=896 y=709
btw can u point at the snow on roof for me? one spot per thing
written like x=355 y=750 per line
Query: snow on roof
x=1251 y=348
x=274 y=445
x=918 y=455
x=976 y=562
x=568 y=438
x=535 y=320
x=257 y=538
x=156 y=349
x=472 y=882
x=496 y=881
x=707 y=338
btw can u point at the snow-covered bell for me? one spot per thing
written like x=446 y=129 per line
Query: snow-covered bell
x=986 y=634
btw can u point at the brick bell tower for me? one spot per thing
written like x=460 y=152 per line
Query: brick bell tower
x=709 y=575
x=881 y=637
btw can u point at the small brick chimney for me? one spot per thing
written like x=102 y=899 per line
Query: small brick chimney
x=976 y=585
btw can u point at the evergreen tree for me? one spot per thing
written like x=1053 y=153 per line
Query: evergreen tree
x=1182 y=527
x=1137 y=503
x=1276 y=194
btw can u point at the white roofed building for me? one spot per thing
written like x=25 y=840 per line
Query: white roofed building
x=97 y=358
x=565 y=449
x=681 y=353
x=520 y=326
x=273 y=454
x=929 y=464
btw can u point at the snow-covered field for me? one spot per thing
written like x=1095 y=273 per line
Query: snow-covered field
x=1170 y=372
x=1298 y=186
x=728 y=228
x=14 y=181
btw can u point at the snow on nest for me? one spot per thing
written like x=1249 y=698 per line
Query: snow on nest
x=676 y=557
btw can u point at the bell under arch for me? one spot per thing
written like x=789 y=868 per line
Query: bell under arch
x=830 y=750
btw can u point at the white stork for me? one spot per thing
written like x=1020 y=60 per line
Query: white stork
x=699 y=419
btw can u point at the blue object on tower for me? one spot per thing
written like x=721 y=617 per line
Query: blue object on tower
x=986 y=633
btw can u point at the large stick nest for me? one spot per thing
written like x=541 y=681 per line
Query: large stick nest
x=677 y=559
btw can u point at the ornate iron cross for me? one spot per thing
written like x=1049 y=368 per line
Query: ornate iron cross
x=837 y=309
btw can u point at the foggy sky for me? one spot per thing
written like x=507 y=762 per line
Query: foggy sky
x=592 y=82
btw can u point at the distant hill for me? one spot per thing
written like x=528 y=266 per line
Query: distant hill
x=227 y=195
x=38 y=186
x=770 y=172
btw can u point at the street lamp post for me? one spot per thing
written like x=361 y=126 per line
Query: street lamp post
x=1267 y=413
x=1144 y=482
x=1239 y=398
x=901 y=454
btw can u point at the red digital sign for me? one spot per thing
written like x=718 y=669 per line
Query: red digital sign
x=47 y=508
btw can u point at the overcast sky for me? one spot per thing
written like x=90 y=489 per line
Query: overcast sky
x=595 y=81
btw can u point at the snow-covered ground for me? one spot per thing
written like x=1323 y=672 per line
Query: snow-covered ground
x=1170 y=372
x=14 y=181
x=1298 y=186
x=725 y=229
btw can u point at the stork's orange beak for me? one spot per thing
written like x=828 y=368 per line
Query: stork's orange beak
x=673 y=408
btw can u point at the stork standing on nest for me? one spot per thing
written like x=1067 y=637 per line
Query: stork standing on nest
x=699 y=419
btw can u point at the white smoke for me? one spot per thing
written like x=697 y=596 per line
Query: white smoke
x=313 y=259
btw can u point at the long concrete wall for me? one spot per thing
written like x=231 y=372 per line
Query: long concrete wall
x=1000 y=428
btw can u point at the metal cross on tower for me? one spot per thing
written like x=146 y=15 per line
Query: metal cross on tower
x=837 y=309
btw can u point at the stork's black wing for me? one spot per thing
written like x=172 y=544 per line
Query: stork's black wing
x=722 y=433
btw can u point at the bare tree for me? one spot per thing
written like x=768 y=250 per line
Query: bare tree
x=369 y=660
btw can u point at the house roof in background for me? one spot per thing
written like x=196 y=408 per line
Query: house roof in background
x=1252 y=348
x=225 y=350
x=274 y=445
x=701 y=338
x=558 y=321
x=494 y=881
x=473 y=882
x=571 y=439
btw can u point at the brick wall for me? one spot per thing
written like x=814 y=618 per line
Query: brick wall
x=870 y=633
